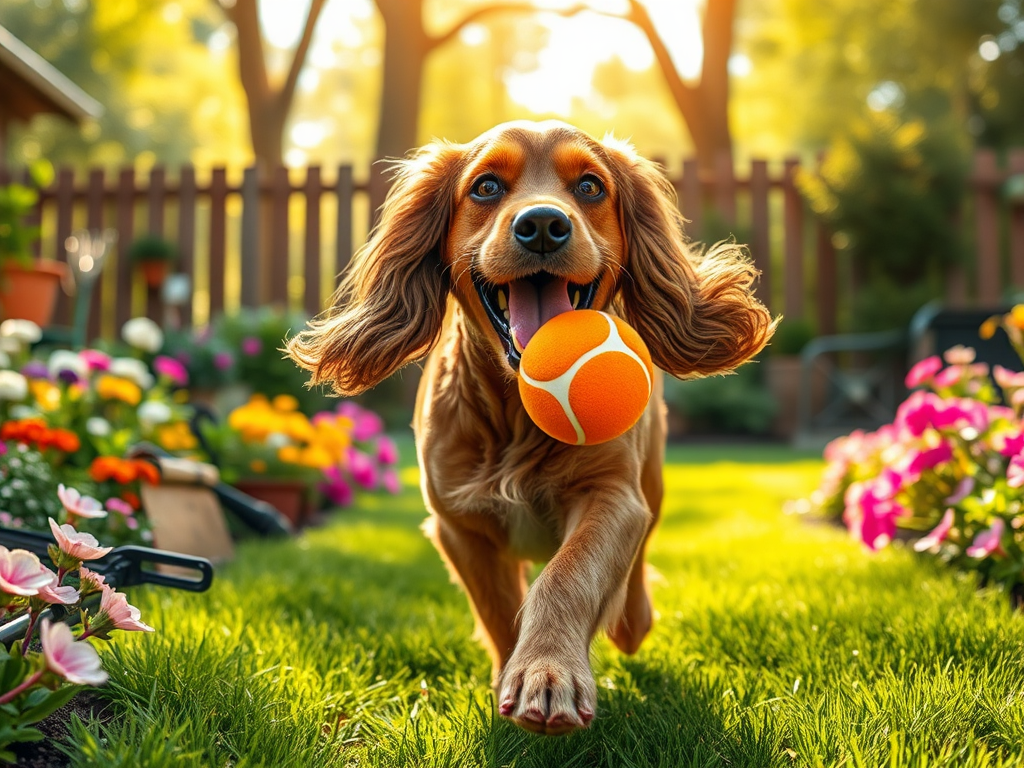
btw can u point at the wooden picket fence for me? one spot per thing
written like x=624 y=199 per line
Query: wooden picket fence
x=282 y=237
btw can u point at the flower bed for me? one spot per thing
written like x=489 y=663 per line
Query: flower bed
x=950 y=468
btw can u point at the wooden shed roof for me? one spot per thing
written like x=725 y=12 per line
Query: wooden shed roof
x=30 y=85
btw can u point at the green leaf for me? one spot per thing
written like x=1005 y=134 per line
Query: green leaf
x=54 y=701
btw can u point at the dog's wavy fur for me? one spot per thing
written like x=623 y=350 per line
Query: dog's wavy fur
x=502 y=493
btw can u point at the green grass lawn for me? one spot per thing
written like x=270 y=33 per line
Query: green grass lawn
x=779 y=643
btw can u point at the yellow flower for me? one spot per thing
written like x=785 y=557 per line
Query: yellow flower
x=176 y=437
x=286 y=403
x=289 y=454
x=315 y=457
x=115 y=388
x=259 y=466
x=45 y=394
x=1016 y=316
x=988 y=328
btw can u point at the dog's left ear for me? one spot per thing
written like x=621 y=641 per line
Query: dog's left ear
x=697 y=313
x=390 y=306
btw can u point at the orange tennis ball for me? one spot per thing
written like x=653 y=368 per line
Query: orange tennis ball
x=585 y=377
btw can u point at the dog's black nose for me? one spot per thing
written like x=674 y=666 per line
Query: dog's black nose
x=542 y=228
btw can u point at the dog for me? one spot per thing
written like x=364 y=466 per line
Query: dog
x=477 y=245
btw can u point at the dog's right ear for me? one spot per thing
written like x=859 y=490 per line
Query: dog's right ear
x=390 y=306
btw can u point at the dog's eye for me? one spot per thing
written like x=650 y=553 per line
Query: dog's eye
x=487 y=188
x=589 y=186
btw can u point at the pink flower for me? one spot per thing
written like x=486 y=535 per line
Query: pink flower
x=987 y=542
x=120 y=506
x=1015 y=472
x=916 y=413
x=924 y=460
x=223 y=360
x=78 y=505
x=337 y=488
x=871 y=509
x=90 y=582
x=22 y=574
x=76 y=662
x=362 y=469
x=79 y=546
x=959 y=355
x=95 y=360
x=387 y=451
x=962 y=491
x=116 y=613
x=1008 y=379
x=948 y=377
x=1013 y=444
x=171 y=369
x=937 y=535
x=55 y=595
x=389 y=479
x=252 y=345
x=923 y=372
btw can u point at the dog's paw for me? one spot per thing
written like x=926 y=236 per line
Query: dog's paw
x=546 y=695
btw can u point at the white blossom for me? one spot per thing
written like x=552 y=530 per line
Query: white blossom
x=13 y=386
x=142 y=333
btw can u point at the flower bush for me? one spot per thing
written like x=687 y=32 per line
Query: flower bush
x=35 y=683
x=950 y=467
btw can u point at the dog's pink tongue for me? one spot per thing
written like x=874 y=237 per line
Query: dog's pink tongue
x=529 y=307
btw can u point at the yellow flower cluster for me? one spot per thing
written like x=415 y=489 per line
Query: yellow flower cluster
x=318 y=444
x=46 y=395
x=115 y=388
x=176 y=437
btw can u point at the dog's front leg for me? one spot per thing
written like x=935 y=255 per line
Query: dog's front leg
x=547 y=685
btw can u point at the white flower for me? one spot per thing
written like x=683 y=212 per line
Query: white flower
x=153 y=412
x=5 y=361
x=142 y=333
x=13 y=386
x=9 y=346
x=277 y=440
x=22 y=331
x=97 y=426
x=22 y=411
x=131 y=369
x=66 y=360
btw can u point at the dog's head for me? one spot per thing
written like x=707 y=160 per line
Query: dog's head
x=526 y=222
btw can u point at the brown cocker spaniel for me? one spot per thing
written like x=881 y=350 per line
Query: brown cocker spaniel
x=479 y=244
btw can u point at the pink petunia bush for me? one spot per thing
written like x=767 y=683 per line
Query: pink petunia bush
x=950 y=467
x=34 y=681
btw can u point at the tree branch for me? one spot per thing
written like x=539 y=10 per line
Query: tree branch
x=437 y=41
x=299 y=58
x=252 y=67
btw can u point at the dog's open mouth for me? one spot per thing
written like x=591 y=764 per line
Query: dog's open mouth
x=518 y=308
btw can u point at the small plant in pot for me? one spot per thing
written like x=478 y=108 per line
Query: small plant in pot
x=153 y=257
x=28 y=286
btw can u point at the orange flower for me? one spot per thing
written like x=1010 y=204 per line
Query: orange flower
x=66 y=440
x=115 y=388
x=147 y=473
x=132 y=499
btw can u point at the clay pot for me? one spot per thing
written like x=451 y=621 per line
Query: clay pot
x=154 y=271
x=30 y=293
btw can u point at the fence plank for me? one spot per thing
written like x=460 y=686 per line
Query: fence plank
x=793 y=215
x=692 y=198
x=101 y=304
x=1016 y=168
x=252 y=274
x=124 y=219
x=187 y=234
x=65 y=202
x=345 y=192
x=725 y=187
x=986 y=218
x=311 y=251
x=826 y=288
x=760 y=243
x=278 y=255
x=218 y=235
x=157 y=198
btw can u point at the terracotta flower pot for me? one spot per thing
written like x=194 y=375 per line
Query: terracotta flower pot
x=289 y=497
x=30 y=293
x=154 y=271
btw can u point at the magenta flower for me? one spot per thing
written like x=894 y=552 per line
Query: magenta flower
x=921 y=461
x=871 y=509
x=962 y=491
x=223 y=360
x=389 y=479
x=76 y=662
x=949 y=377
x=120 y=506
x=22 y=574
x=916 y=413
x=95 y=360
x=937 y=535
x=171 y=369
x=77 y=546
x=336 y=488
x=78 y=505
x=1013 y=445
x=1015 y=472
x=923 y=372
x=387 y=451
x=987 y=541
x=252 y=345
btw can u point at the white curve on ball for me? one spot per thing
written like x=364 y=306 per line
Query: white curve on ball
x=559 y=387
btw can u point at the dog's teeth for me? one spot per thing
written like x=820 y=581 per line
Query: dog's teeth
x=502 y=302
x=575 y=299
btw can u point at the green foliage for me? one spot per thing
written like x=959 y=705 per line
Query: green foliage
x=791 y=336
x=27 y=484
x=16 y=237
x=30 y=707
x=734 y=404
x=889 y=190
x=152 y=248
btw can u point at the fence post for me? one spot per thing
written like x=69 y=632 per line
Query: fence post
x=157 y=199
x=1017 y=223
x=725 y=187
x=125 y=222
x=65 y=199
x=278 y=252
x=343 y=240
x=760 y=242
x=187 y=234
x=793 y=274
x=94 y=220
x=218 y=234
x=311 y=255
x=252 y=273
